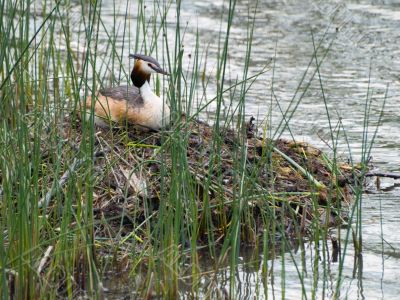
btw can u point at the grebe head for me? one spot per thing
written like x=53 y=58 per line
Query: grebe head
x=142 y=69
x=148 y=64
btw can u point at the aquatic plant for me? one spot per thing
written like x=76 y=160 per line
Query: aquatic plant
x=77 y=202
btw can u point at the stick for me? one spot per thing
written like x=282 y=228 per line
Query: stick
x=381 y=174
x=44 y=259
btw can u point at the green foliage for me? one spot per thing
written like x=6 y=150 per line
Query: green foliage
x=51 y=57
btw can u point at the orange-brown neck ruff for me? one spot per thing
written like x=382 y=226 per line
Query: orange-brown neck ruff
x=138 y=76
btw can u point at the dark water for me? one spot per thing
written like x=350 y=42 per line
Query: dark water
x=363 y=62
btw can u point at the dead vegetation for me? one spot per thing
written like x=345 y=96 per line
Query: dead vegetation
x=133 y=171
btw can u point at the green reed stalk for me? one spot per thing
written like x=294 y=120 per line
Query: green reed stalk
x=42 y=85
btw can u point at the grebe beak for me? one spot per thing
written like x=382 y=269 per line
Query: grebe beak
x=159 y=70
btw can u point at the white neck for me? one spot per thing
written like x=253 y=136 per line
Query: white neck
x=155 y=106
x=146 y=92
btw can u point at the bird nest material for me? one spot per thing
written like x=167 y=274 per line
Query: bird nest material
x=221 y=170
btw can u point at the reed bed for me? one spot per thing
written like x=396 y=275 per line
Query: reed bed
x=79 y=202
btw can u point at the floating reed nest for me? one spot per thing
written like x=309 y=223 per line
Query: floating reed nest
x=222 y=170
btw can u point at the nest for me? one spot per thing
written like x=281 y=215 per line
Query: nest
x=216 y=169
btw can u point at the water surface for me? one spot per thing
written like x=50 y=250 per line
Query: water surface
x=363 y=63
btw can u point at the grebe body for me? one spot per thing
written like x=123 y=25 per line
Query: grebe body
x=135 y=104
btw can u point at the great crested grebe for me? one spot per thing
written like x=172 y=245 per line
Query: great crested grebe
x=135 y=104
